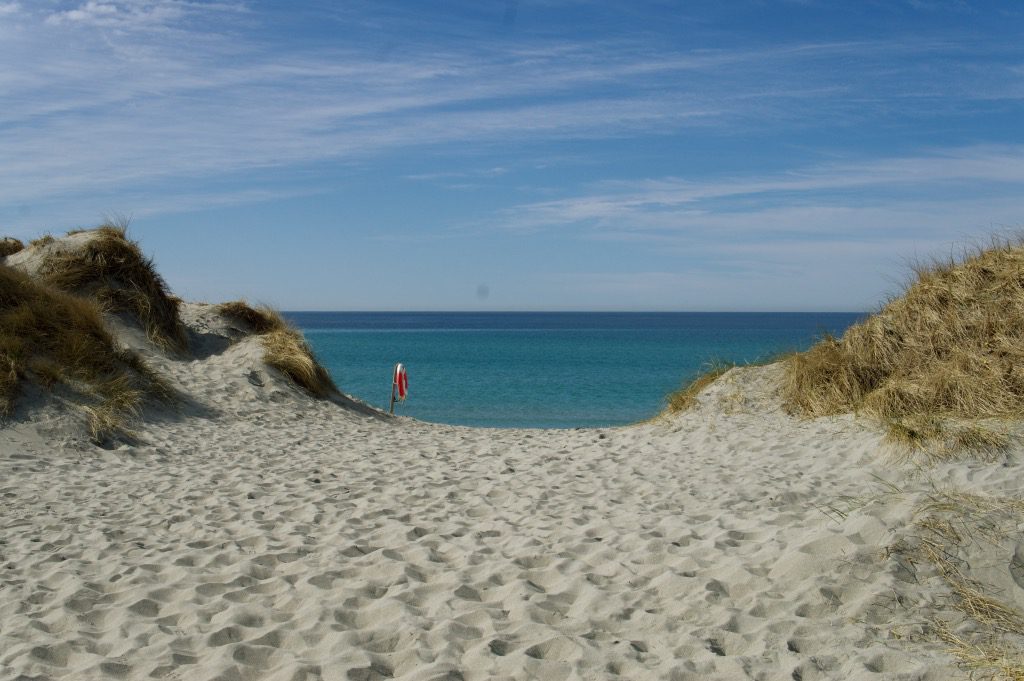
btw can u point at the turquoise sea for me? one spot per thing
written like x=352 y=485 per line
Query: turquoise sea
x=544 y=370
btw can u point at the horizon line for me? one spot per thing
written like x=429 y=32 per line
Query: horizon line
x=286 y=311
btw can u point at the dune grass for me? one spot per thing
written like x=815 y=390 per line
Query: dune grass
x=959 y=530
x=284 y=347
x=938 y=439
x=951 y=347
x=112 y=269
x=686 y=397
x=50 y=337
x=9 y=246
x=260 y=319
x=992 y=658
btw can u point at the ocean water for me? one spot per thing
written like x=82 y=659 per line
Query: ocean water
x=544 y=370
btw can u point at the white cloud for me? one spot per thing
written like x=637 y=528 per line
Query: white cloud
x=134 y=15
x=118 y=14
x=678 y=204
x=789 y=237
x=121 y=104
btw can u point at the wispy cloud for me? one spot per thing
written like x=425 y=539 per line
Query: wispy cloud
x=795 y=201
x=133 y=14
x=777 y=234
x=122 y=104
x=493 y=171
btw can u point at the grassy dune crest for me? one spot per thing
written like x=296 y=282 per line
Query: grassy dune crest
x=284 y=348
x=111 y=268
x=49 y=337
x=686 y=397
x=950 y=348
x=9 y=246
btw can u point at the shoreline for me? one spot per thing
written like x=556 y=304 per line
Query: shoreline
x=564 y=371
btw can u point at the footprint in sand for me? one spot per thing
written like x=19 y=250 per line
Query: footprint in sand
x=558 y=649
x=1017 y=566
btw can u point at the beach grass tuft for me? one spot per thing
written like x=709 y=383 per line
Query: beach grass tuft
x=287 y=351
x=939 y=439
x=950 y=347
x=260 y=320
x=914 y=432
x=960 y=531
x=112 y=269
x=991 y=658
x=50 y=337
x=284 y=347
x=9 y=246
x=686 y=397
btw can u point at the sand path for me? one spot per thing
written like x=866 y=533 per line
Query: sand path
x=279 y=538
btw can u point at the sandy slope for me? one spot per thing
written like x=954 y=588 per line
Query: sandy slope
x=259 y=534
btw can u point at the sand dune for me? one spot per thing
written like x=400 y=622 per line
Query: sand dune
x=276 y=537
x=253 y=532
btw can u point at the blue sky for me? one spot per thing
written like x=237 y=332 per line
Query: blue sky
x=530 y=155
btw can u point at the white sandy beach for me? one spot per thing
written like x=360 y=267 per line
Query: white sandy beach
x=793 y=227
x=257 y=533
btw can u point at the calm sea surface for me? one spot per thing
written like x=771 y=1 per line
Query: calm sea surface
x=544 y=370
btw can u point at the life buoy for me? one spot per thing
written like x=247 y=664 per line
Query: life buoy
x=401 y=381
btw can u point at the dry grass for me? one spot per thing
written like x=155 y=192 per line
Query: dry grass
x=980 y=440
x=977 y=515
x=941 y=440
x=990 y=658
x=44 y=240
x=958 y=530
x=686 y=397
x=914 y=433
x=284 y=348
x=287 y=351
x=9 y=246
x=260 y=319
x=971 y=597
x=952 y=346
x=842 y=506
x=112 y=269
x=49 y=337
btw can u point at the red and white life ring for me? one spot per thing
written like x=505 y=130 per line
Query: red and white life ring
x=401 y=381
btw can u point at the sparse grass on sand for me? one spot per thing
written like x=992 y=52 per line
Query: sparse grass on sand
x=284 y=348
x=9 y=246
x=112 y=269
x=939 y=439
x=950 y=349
x=50 y=337
x=959 y=531
x=686 y=397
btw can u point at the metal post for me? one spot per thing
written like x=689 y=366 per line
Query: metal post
x=391 y=409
